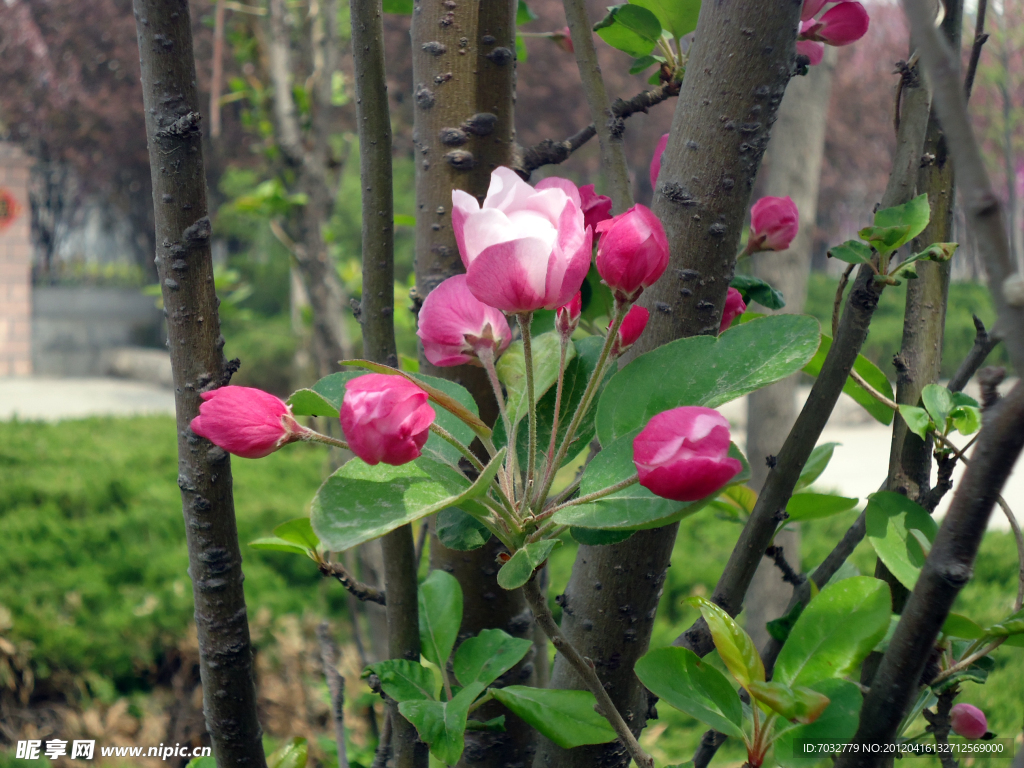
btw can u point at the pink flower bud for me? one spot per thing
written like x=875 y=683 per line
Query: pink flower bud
x=632 y=252
x=385 y=418
x=562 y=39
x=734 y=307
x=525 y=248
x=596 y=208
x=811 y=7
x=247 y=422
x=632 y=326
x=844 y=23
x=683 y=454
x=455 y=326
x=774 y=222
x=656 y=162
x=968 y=721
x=815 y=52
x=567 y=317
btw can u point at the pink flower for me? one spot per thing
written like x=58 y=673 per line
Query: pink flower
x=683 y=454
x=247 y=422
x=774 y=222
x=811 y=7
x=563 y=39
x=632 y=252
x=813 y=51
x=596 y=208
x=455 y=326
x=656 y=162
x=567 y=317
x=632 y=326
x=385 y=418
x=526 y=248
x=844 y=23
x=968 y=721
x=734 y=307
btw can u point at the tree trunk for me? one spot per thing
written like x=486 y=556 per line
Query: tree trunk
x=794 y=169
x=185 y=267
x=707 y=173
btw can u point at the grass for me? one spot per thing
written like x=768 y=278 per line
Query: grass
x=95 y=577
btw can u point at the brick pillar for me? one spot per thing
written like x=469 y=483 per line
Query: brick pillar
x=15 y=263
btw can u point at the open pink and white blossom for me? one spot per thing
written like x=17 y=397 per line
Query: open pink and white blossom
x=456 y=327
x=659 y=150
x=734 y=307
x=524 y=249
x=683 y=454
x=632 y=252
x=247 y=422
x=774 y=222
x=385 y=418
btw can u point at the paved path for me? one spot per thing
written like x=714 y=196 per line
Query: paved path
x=857 y=468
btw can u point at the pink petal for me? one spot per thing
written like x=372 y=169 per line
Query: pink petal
x=813 y=51
x=512 y=276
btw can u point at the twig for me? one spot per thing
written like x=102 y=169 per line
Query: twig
x=217 y=76
x=551 y=152
x=585 y=669
x=1018 y=537
x=609 y=131
x=788 y=574
x=380 y=757
x=984 y=343
x=356 y=588
x=940 y=726
x=587 y=498
x=980 y=37
x=837 y=303
x=943 y=482
x=336 y=686
x=874 y=392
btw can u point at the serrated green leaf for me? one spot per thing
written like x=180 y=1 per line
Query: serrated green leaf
x=520 y=567
x=755 y=289
x=797 y=704
x=913 y=215
x=852 y=252
x=442 y=725
x=966 y=419
x=938 y=402
x=644 y=62
x=306 y=402
x=298 y=531
x=734 y=645
x=815 y=506
x=279 y=545
x=440 y=615
x=889 y=518
x=679 y=677
x=405 y=680
x=917 y=420
x=630 y=28
x=489 y=655
x=835 y=632
x=885 y=239
x=869 y=372
x=678 y=17
x=960 y=626
x=460 y=531
x=705 y=370
x=565 y=717
x=816 y=463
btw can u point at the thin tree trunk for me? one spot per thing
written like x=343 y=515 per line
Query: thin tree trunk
x=185 y=267
x=707 y=172
x=794 y=169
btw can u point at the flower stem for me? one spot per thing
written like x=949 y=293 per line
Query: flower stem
x=525 y=320
x=591 y=496
x=447 y=436
x=558 y=406
x=506 y=475
x=315 y=437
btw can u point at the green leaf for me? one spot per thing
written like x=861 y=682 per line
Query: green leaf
x=524 y=14
x=838 y=723
x=798 y=704
x=324 y=399
x=937 y=252
x=565 y=717
x=959 y=398
x=917 y=420
x=960 y=626
x=489 y=655
x=595 y=537
x=405 y=680
x=634 y=507
x=890 y=517
x=835 y=632
x=780 y=628
x=885 y=239
x=292 y=754
x=816 y=464
x=403 y=7
x=815 y=506
x=705 y=370
x=359 y=503
x=938 y=401
x=966 y=419
x=521 y=53
x=679 y=677
x=437 y=446
x=630 y=28
x=440 y=604
x=639 y=65
x=977 y=672
x=459 y=531
x=869 y=372
x=298 y=531
x=511 y=367
x=852 y=252
x=913 y=215
x=755 y=289
x=494 y=725
x=734 y=645
x=1011 y=625
x=207 y=761
x=280 y=545
x=678 y=17
x=442 y=725
x=520 y=567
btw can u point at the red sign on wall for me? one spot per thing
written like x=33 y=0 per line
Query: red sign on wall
x=9 y=208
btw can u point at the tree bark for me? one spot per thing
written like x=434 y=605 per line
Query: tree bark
x=185 y=268
x=794 y=168
x=739 y=67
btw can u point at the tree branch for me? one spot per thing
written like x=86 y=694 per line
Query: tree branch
x=185 y=269
x=980 y=38
x=356 y=588
x=984 y=343
x=336 y=686
x=609 y=133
